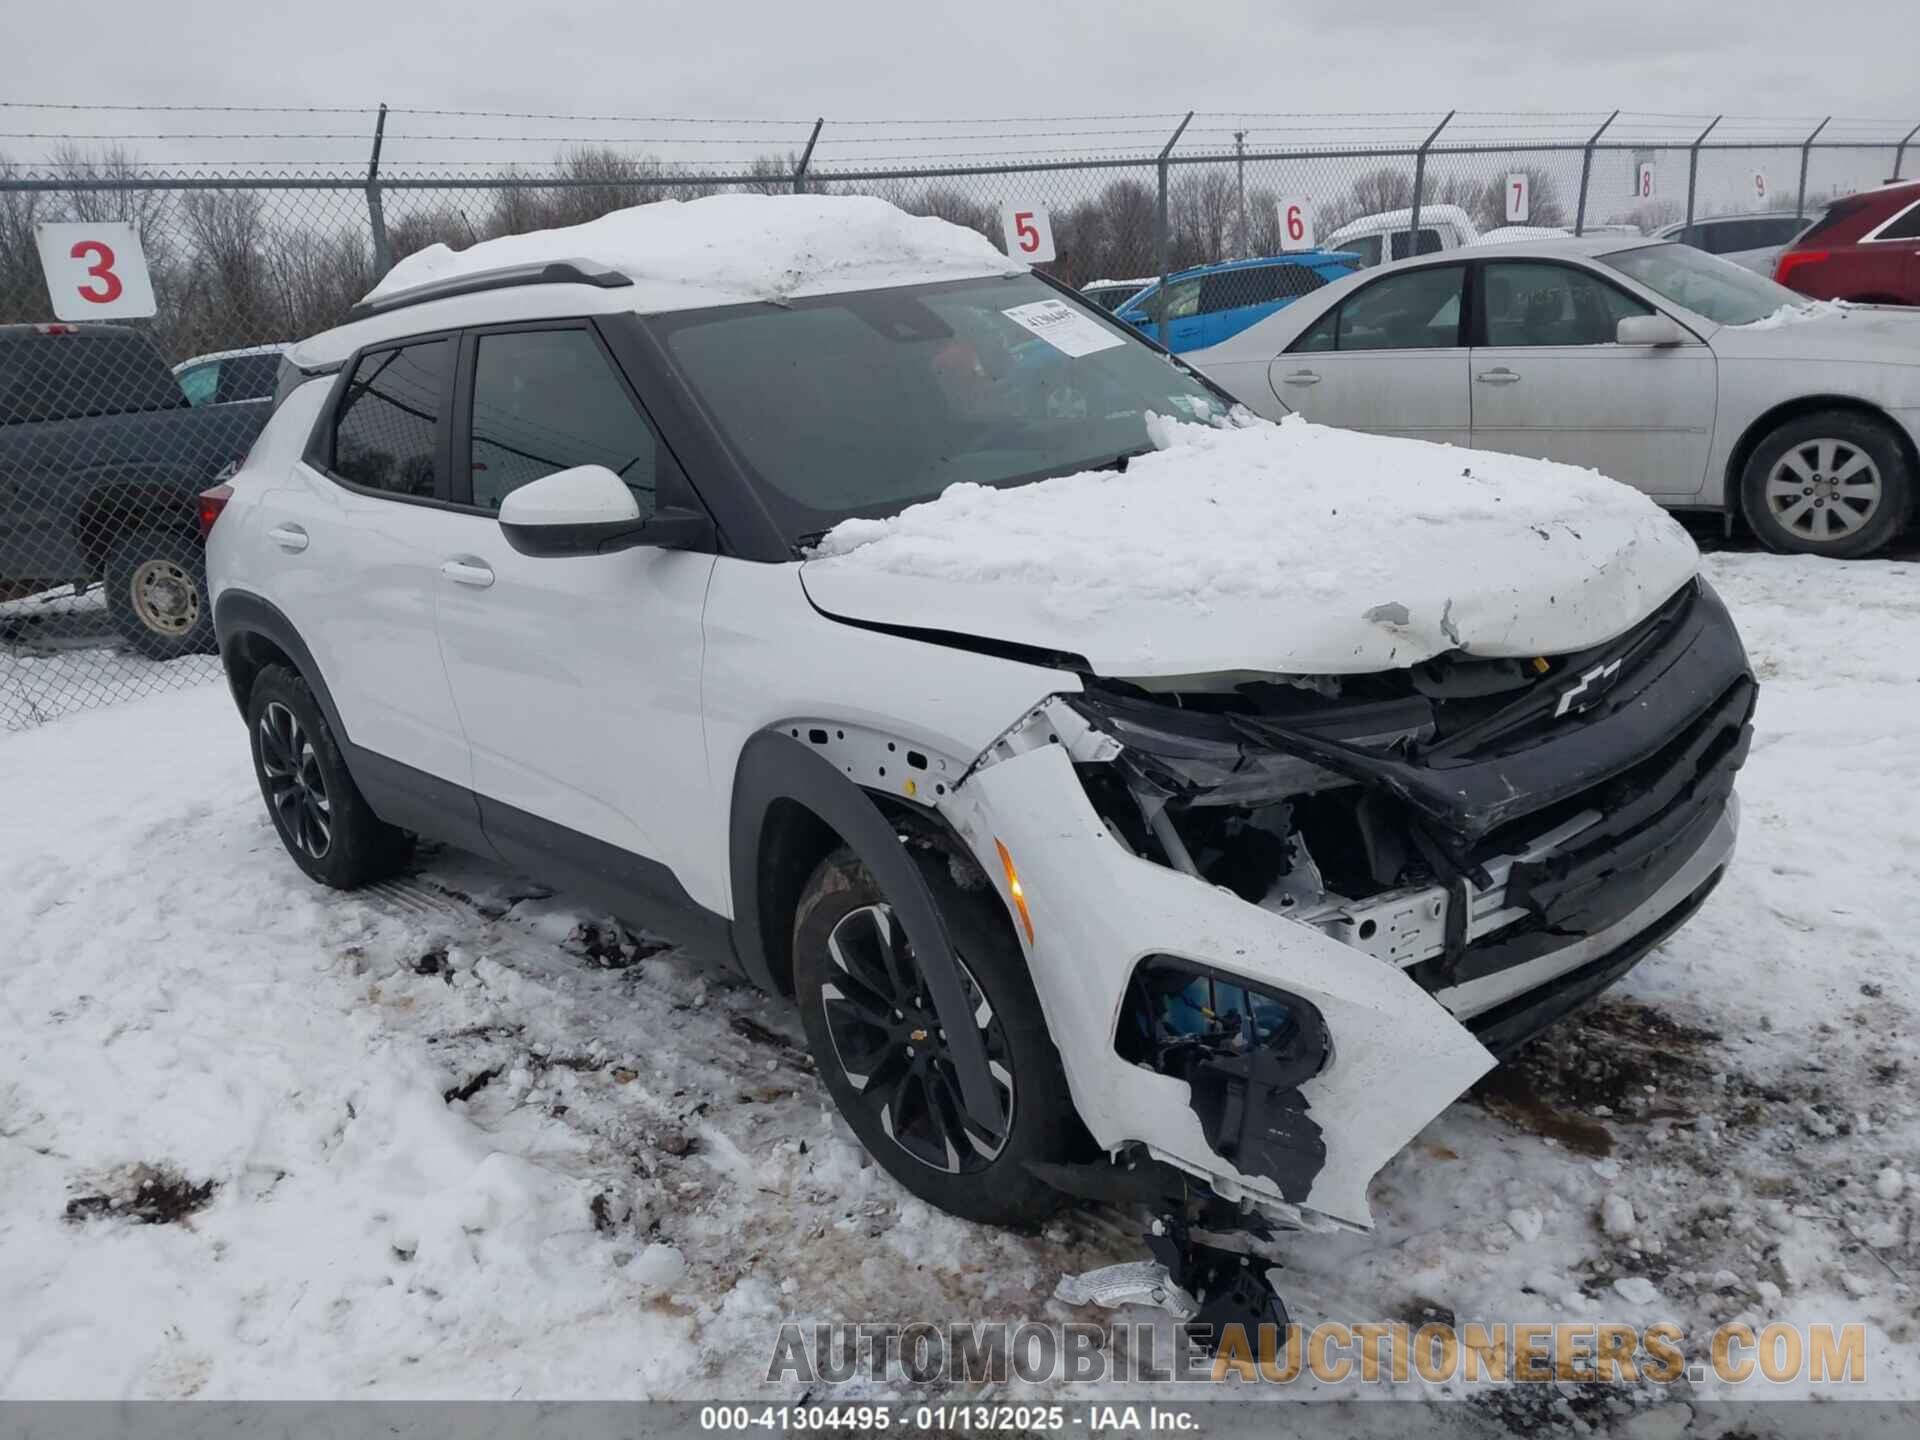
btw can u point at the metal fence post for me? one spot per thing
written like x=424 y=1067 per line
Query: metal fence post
x=1806 y=153
x=1240 y=191
x=1586 y=175
x=1693 y=165
x=1162 y=242
x=1900 y=155
x=806 y=157
x=1419 y=188
x=376 y=213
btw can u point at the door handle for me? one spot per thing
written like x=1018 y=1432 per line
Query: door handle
x=288 y=537
x=468 y=572
x=1502 y=376
x=1301 y=377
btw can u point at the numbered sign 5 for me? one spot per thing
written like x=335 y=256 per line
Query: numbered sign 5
x=1519 y=197
x=1296 y=223
x=1644 y=189
x=1760 y=186
x=95 y=271
x=1028 y=230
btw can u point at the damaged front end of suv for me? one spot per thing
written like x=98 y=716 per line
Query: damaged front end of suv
x=1329 y=903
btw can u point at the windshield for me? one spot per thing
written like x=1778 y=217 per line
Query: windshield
x=862 y=404
x=1704 y=284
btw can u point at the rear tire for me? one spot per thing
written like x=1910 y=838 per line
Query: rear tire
x=892 y=1081
x=157 y=594
x=1830 y=483
x=318 y=812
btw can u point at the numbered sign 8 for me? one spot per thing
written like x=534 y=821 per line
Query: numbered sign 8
x=1296 y=223
x=1644 y=189
x=1519 y=197
x=1028 y=230
x=95 y=271
x=1760 y=186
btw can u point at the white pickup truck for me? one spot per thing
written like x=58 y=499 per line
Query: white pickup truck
x=1387 y=236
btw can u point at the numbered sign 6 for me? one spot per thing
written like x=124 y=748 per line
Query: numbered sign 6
x=1296 y=223
x=95 y=271
x=1645 y=188
x=1519 y=197
x=1760 y=186
x=1028 y=230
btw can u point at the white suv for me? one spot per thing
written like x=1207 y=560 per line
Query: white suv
x=1139 y=799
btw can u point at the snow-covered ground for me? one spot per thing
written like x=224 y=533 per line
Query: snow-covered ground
x=462 y=1141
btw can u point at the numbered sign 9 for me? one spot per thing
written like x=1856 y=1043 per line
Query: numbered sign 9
x=1644 y=187
x=95 y=271
x=1296 y=223
x=1760 y=187
x=1519 y=197
x=1028 y=230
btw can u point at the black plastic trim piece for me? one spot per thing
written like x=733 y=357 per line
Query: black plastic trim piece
x=553 y=272
x=775 y=767
x=1505 y=1028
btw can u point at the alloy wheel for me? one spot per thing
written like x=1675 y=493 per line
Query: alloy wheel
x=890 y=1046
x=1823 y=489
x=296 y=788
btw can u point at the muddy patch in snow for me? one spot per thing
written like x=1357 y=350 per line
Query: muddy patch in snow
x=144 y=1194
x=1618 y=1061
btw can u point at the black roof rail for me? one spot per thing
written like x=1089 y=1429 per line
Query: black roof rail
x=539 y=272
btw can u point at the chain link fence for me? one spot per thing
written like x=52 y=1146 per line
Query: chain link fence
x=109 y=432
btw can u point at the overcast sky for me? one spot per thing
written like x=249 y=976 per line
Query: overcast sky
x=856 y=58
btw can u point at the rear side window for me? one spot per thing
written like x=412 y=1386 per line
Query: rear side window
x=548 y=400
x=246 y=377
x=67 y=376
x=1259 y=285
x=1429 y=244
x=387 y=430
x=200 y=381
x=1904 y=226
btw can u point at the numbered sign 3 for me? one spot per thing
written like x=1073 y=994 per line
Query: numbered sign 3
x=1519 y=197
x=1296 y=223
x=1028 y=230
x=95 y=271
x=1645 y=187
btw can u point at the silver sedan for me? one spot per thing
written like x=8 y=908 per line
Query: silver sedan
x=1698 y=382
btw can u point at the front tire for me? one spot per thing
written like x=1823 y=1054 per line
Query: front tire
x=318 y=812
x=882 y=1054
x=1831 y=483
x=157 y=594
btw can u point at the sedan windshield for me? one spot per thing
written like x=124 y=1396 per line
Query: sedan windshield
x=862 y=404
x=1703 y=283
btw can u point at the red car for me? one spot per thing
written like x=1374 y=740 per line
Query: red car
x=1865 y=248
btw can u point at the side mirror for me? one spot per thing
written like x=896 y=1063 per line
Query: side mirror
x=1650 y=330
x=589 y=510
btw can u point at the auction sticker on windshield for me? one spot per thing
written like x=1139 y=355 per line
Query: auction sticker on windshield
x=1064 y=327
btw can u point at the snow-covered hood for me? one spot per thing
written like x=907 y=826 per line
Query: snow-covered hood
x=1824 y=330
x=1279 y=549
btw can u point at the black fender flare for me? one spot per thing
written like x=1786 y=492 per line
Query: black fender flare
x=775 y=767
x=239 y=613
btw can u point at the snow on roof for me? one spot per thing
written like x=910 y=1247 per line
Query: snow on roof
x=1513 y=234
x=1290 y=548
x=726 y=249
x=1387 y=220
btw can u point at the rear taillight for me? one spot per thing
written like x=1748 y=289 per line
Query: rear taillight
x=1794 y=259
x=209 y=506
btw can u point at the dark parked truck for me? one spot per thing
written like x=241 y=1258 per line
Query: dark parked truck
x=101 y=458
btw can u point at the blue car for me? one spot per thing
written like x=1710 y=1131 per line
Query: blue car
x=1212 y=303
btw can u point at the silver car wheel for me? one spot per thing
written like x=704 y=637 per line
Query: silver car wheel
x=1823 y=489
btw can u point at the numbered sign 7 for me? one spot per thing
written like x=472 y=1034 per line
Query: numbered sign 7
x=1028 y=231
x=1519 y=197
x=1296 y=223
x=95 y=271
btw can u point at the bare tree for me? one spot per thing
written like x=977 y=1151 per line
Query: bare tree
x=1202 y=212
